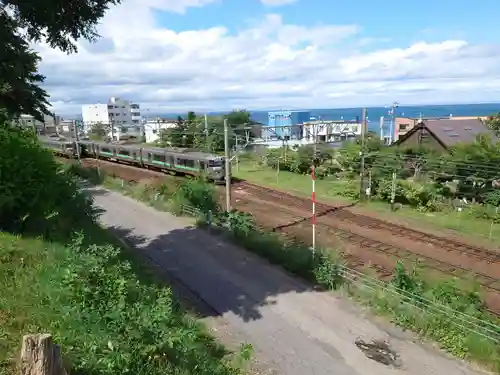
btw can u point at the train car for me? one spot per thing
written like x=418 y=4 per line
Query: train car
x=88 y=148
x=176 y=160
x=185 y=161
x=61 y=147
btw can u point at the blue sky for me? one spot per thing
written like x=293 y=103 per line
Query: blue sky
x=222 y=54
x=413 y=21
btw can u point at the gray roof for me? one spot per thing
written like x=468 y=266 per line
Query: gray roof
x=451 y=132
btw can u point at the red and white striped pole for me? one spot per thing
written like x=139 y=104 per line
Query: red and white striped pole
x=313 y=177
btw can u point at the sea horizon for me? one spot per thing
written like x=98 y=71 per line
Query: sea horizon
x=374 y=113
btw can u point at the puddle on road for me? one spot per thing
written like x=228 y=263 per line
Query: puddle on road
x=379 y=351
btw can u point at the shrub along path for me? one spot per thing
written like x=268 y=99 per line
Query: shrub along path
x=302 y=331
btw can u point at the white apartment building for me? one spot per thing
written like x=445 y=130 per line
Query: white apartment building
x=330 y=131
x=152 y=128
x=117 y=112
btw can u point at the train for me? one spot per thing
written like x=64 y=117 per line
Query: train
x=172 y=160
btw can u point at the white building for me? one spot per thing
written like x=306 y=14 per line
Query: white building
x=117 y=112
x=330 y=131
x=152 y=128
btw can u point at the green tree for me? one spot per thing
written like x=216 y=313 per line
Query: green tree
x=239 y=117
x=35 y=197
x=99 y=131
x=475 y=165
x=493 y=123
x=58 y=22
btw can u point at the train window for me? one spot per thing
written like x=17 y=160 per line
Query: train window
x=186 y=162
x=159 y=157
x=216 y=162
x=124 y=152
x=105 y=149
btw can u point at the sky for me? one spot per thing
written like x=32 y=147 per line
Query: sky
x=217 y=55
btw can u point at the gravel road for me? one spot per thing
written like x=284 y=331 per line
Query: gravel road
x=293 y=328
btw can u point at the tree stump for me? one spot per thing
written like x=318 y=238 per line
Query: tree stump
x=39 y=356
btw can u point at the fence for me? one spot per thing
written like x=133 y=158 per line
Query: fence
x=474 y=325
x=40 y=356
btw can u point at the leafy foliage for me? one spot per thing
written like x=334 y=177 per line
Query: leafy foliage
x=493 y=123
x=107 y=320
x=191 y=133
x=60 y=23
x=99 y=131
x=35 y=194
x=197 y=194
x=19 y=77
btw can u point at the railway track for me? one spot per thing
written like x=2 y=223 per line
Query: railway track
x=489 y=283
x=369 y=222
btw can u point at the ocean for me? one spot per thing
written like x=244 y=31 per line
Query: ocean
x=374 y=113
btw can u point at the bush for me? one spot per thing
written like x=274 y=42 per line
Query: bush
x=36 y=195
x=350 y=190
x=197 y=194
x=107 y=320
x=418 y=195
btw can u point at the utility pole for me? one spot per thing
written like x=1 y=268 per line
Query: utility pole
x=392 y=112
x=362 y=154
x=206 y=132
x=313 y=194
x=77 y=140
x=393 y=191
x=228 y=165
x=112 y=130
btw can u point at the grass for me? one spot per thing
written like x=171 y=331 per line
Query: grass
x=109 y=315
x=443 y=311
x=293 y=182
x=330 y=190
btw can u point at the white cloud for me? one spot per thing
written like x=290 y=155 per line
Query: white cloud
x=277 y=3
x=269 y=64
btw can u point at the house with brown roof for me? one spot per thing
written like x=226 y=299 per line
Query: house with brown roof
x=442 y=134
x=403 y=125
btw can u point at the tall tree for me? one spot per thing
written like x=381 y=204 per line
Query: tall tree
x=493 y=123
x=59 y=23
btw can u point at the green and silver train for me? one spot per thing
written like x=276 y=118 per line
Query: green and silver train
x=173 y=160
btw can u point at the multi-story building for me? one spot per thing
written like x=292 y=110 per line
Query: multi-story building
x=285 y=124
x=153 y=128
x=117 y=112
x=330 y=131
x=47 y=126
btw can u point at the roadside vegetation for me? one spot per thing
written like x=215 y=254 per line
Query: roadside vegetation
x=446 y=312
x=457 y=191
x=63 y=274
